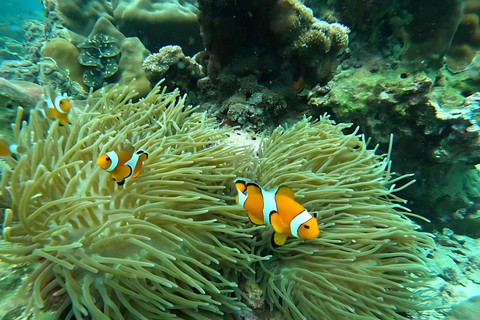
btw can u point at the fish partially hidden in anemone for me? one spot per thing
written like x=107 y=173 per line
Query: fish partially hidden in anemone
x=278 y=208
x=122 y=164
x=6 y=149
x=56 y=107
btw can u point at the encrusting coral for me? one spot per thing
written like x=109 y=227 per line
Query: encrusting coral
x=152 y=249
x=369 y=258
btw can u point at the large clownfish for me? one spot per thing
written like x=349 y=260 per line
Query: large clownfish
x=7 y=149
x=278 y=208
x=122 y=164
x=57 y=108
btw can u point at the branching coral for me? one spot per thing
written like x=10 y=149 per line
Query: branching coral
x=368 y=259
x=152 y=249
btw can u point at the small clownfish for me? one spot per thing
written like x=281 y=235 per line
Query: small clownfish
x=278 y=208
x=57 y=108
x=122 y=164
x=6 y=149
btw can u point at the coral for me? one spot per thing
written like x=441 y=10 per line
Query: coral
x=65 y=56
x=435 y=131
x=16 y=93
x=428 y=35
x=369 y=260
x=131 y=73
x=171 y=64
x=276 y=47
x=159 y=23
x=79 y=16
x=455 y=267
x=466 y=41
x=165 y=245
x=99 y=55
x=19 y=70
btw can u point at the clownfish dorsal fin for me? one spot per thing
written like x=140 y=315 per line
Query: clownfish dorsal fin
x=253 y=188
x=287 y=191
x=279 y=238
x=241 y=185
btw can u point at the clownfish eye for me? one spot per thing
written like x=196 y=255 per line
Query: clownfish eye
x=306 y=227
x=108 y=159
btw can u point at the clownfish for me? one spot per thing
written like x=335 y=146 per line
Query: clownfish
x=122 y=164
x=57 y=108
x=278 y=208
x=7 y=149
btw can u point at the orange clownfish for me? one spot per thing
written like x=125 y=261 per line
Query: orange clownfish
x=122 y=164
x=57 y=108
x=278 y=208
x=6 y=149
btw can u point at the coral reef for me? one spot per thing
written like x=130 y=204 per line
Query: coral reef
x=65 y=57
x=435 y=128
x=79 y=16
x=466 y=41
x=159 y=22
x=455 y=268
x=12 y=95
x=275 y=48
x=171 y=64
x=152 y=249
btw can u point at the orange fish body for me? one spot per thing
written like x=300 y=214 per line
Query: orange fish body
x=58 y=108
x=278 y=208
x=7 y=149
x=122 y=164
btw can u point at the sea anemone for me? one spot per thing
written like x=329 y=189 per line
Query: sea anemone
x=164 y=245
x=368 y=262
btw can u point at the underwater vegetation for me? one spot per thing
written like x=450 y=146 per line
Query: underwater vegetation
x=172 y=243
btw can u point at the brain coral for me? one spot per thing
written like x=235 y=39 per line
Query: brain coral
x=168 y=244
x=150 y=250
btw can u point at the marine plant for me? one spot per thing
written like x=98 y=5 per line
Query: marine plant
x=368 y=261
x=164 y=245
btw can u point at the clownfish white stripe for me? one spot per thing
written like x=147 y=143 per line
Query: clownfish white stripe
x=300 y=219
x=269 y=204
x=241 y=198
x=132 y=163
x=57 y=103
x=49 y=103
x=113 y=156
x=14 y=148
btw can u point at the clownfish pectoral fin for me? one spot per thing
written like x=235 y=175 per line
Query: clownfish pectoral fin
x=279 y=238
x=287 y=191
x=277 y=223
x=255 y=220
x=122 y=173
